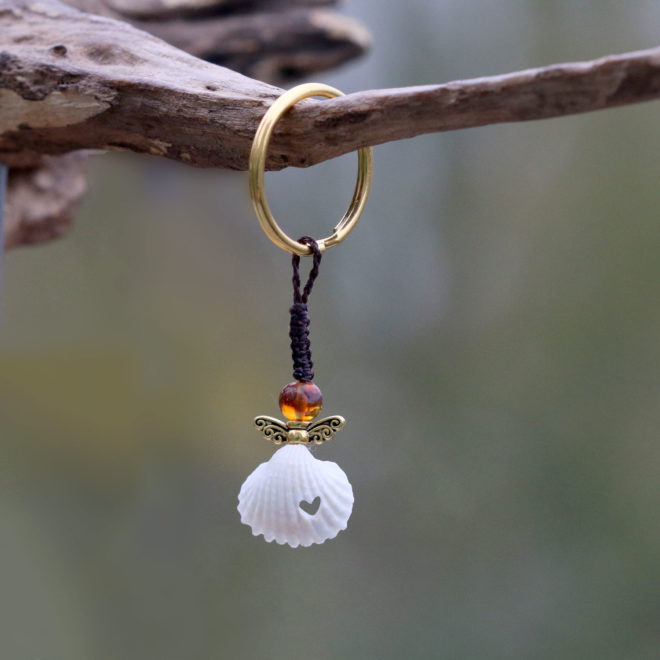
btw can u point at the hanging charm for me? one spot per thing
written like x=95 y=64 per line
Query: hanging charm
x=274 y=500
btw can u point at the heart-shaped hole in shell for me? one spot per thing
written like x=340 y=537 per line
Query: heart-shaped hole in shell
x=312 y=507
x=279 y=499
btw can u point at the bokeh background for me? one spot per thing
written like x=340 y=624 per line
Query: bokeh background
x=491 y=331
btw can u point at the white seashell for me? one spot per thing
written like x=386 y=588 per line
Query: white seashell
x=269 y=501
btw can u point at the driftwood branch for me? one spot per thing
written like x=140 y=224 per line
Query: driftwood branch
x=70 y=80
x=273 y=40
x=159 y=10
x=42 y=200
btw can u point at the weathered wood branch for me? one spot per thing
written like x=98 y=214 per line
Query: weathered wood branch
x=158 y=10
x=71 y=80
x=41 y=200
x=273 y=40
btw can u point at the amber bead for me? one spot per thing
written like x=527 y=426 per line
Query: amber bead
x=300 y=401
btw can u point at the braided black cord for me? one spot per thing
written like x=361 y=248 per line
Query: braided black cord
x=301 y=352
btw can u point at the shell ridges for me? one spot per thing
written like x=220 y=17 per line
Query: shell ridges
x=269 y=500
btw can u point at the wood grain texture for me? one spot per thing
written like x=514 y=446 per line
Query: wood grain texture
x=273 y=40
x=84 y=81
x=71 y=80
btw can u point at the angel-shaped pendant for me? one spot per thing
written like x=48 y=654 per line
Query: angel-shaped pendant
x=271 y=498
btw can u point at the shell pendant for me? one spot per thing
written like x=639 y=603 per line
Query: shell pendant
x=275 y=499
x=271 y=497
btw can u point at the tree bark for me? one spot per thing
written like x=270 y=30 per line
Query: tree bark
x=274 y=40
x=70 y=80
x=271 y=40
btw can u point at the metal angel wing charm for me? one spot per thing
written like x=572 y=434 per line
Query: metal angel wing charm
x=325 y=429
x=272 y=429
x=303 y=433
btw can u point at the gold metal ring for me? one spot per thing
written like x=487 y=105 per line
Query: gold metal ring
x=256 y=174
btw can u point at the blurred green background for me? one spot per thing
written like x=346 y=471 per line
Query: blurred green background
x=491 y=332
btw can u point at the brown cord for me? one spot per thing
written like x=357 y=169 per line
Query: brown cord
x=301 y=352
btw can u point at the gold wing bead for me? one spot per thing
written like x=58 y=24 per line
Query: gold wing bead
x=325 y=429
x=272 y=429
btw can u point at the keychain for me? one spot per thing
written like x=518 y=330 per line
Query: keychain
x=272 y=498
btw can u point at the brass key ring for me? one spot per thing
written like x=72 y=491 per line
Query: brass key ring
x=256 y=175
